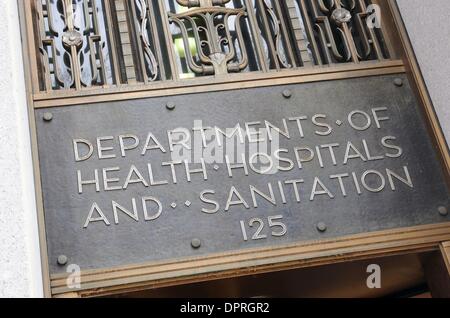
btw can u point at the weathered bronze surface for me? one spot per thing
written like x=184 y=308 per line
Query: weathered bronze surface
x=181 y=229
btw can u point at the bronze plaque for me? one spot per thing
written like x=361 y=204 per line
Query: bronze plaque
x=163 y=179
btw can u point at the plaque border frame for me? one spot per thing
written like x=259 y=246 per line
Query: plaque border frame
x=371 y=245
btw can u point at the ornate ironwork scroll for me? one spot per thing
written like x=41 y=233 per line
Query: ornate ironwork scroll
x=340 y=32
x=73 y=47
x=144 y=29
x=86 y=43
x=275 y=34
x=208 y=23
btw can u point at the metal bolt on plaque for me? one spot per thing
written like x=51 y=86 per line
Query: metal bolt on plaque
x=321 y=227
x=398 y=82
x=62 y=260
x=443 y=211
x=287 y=93
x=47 y=117
x=170 y=105
x=196 y=243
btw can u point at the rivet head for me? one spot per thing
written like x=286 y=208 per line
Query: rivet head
x=321 y=227
x=443 y=210
x=170 y=106
x=287 y=93
x=341 y=15
x=62 y=260
x=196 y=243
x=48 y=116
x=398 y=82
x=72 y=38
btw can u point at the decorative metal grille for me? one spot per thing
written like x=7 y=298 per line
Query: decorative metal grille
x=72 y=44
x=86 y=43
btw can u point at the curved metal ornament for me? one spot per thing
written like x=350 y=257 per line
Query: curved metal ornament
x=150 y=59
x=47 y=46
x=341 y=15
x=201 y=3
x=327 y=16
x=277 y=35
x=72 y=38
x=75 y=44
x=210 y=26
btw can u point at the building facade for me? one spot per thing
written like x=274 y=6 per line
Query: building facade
x=142 y=65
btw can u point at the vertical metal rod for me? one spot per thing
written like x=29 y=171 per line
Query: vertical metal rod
x=310 y=32
x=96 y=51
x=169 y=41
x=73 y=50
x=139 y=55
x=349 y=37
x=256 y=35
x=284 y=30
x=268 y=34
x=300 y=44
x=113 y=43
x=45 y=70
x=384 y=7
x=373 y=37
x=156 y=41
